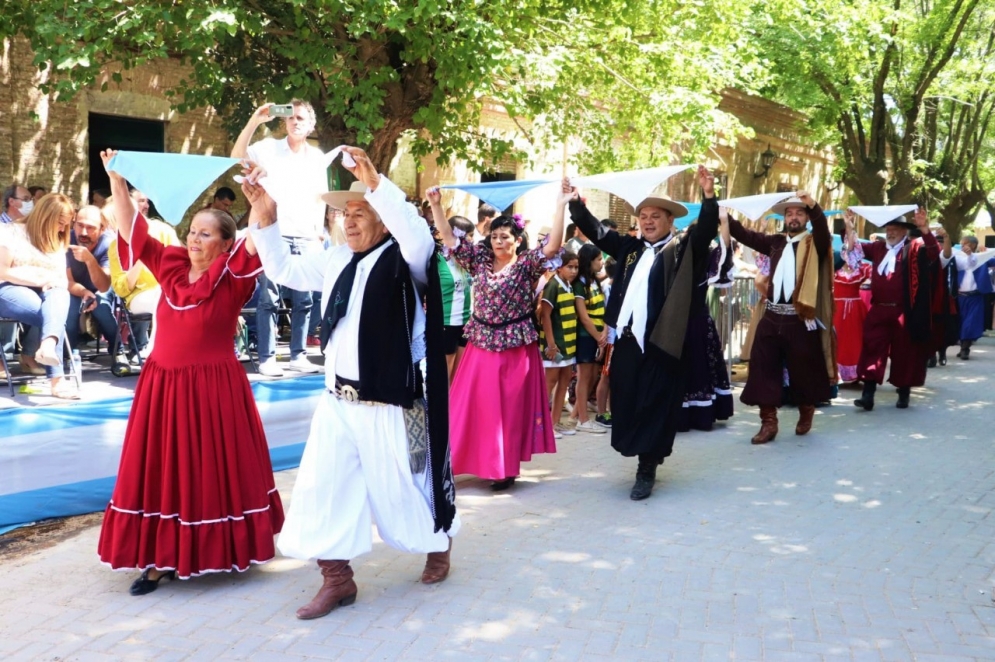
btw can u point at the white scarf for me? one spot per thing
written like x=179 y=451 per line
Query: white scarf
x=637 y=294
x=887 y=266
x=786 y=273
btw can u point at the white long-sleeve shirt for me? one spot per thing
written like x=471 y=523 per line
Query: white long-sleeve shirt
x=318 y=271
x=966 y=264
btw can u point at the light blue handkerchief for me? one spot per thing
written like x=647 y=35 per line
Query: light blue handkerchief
x=172 y=181
x=500 y=194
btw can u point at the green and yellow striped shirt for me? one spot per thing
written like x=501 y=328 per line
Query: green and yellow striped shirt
x=594 y=301
x=563 y=317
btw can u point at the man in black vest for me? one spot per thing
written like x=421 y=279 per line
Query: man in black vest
x=649 y=305
x=373 y=450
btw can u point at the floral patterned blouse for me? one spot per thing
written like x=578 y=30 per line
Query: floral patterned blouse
x=503 y=302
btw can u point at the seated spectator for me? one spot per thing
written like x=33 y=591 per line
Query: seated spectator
x=89 y=274
x=141 y=201
x=34 y=284
x=17 y=204
x=137 y=286
x=224 y=198
x=99 y=197
x=37 y=193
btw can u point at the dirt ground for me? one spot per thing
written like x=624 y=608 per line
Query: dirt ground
x=27 y=539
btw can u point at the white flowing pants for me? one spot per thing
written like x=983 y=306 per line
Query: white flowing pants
x=355 y=466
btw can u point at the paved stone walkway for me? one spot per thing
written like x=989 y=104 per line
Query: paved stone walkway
x=872 y=538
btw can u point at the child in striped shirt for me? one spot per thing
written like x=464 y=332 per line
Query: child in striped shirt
x=559 y=337
x=591 y=333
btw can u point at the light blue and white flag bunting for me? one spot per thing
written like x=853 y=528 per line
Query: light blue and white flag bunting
x=879 y=215
x=500 y=195
x=172 y=181
x=753 y=206
x=633 y=186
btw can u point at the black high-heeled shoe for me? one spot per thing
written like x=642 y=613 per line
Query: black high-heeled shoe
x=500 y=485
x=143 y=585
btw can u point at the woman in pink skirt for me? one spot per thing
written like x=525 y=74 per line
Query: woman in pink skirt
x=498 y=412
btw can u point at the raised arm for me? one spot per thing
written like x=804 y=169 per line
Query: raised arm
x=567 y=193
x=434 y=196
x=241 y=148
x=606 y=239
x=124 y=208
x=706 y=227
x=401 y=218
x=928 y=240
x=305 y=272
x=821 y=235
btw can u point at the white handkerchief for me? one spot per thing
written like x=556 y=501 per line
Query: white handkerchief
x=633 y=186
x=281 y=186
x=881 y=215
x=754 y=206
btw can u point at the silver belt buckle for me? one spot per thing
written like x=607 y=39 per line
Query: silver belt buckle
x=348 y=393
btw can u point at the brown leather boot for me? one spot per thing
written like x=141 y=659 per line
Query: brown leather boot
x=436 y=566
x=768 y=426
x=805 y=414
x=337 y=590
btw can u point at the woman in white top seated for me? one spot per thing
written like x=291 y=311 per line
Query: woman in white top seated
x=33 y=283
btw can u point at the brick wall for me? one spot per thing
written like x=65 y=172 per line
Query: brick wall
x=44 y=142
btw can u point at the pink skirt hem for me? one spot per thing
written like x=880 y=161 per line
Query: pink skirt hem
x=498 y=412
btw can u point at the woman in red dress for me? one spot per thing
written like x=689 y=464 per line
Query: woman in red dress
x=195 y=491
x=848 y=319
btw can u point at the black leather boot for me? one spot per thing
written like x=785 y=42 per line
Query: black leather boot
x=965 y=350
x=866 y=400
x=645 y=479
x=903 y=397
x=931 y=361
x=943 y=356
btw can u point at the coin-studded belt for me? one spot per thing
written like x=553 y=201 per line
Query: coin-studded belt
x=349 y=390
x=781 y=308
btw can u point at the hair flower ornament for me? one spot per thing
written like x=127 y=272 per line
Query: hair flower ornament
x=519 y=221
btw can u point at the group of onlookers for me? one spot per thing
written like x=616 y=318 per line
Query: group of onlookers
x=60 y=278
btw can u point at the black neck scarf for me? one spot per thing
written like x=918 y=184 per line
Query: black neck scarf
x=338 y=299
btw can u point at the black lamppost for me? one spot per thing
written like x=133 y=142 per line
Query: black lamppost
x=767 y=159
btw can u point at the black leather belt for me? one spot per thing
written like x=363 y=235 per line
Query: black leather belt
x=350 y=391
x=499 y=325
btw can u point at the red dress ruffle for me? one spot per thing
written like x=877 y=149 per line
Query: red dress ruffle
x=195 y=490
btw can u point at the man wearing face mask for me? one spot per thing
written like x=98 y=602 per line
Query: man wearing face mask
x=302 y=217
x=17 y=204
x=898 y=325
x=649 y=305
x=796 y=328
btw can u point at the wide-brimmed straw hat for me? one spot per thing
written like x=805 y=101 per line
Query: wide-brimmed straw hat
x=660 y=202
x=781 y=207
x=339 y=199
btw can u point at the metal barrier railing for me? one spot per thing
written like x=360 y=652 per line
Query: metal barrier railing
x=732 y=309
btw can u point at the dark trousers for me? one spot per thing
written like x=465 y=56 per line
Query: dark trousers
x=646 y=397
x=783 y=341
x=885 y=336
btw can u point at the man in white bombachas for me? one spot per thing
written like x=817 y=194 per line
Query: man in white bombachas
x=376 y=448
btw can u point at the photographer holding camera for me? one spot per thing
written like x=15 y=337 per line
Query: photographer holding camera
x=301 y=218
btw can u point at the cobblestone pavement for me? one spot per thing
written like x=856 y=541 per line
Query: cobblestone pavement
x=869 y=539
